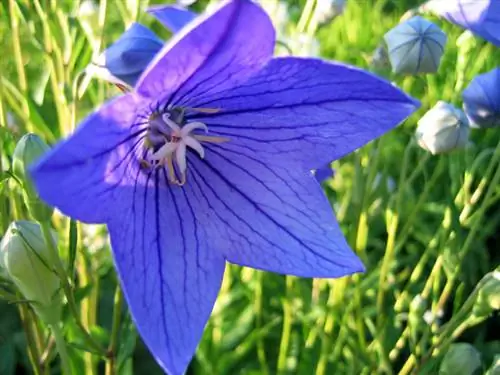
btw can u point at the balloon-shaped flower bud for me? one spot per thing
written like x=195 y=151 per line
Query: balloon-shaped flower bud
x=495 y=366
x=461 y=359
x=328 y=10
x=125 y=60
x=443 y=128
x=415 y=46
x=482 y=100
x=488 y=295
x=25 y=257
x=28 y=150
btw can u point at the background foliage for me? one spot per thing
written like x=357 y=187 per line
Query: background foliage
x=425 y=226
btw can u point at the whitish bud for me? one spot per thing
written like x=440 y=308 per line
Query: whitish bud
x=443 y=128
x=328 y=10
x=461 y=359
x=415 y=46
x=25 y=257
x=28 y=150
x=488 y=297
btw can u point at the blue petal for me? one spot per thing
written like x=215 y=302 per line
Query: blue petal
x=169 y=274
x=127 y=58
x=173 y=17
x=268 y=214
x=214 y=53
x=80 y=176
x=309 y=110
x=482 y=99
x=482 y=17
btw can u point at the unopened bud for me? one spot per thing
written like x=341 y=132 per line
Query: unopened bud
x=415 y=46
x=461 y=359
x=25 y=257
x=488 y=295
x=443 y=128
x=124 y=61
x=328 y=10
x=28 y=150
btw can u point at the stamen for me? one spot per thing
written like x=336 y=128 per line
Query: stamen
x=205 y=110
x=210 y=139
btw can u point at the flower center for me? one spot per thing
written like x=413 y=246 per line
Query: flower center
x=170 y=137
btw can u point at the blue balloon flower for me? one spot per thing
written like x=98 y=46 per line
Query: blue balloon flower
x=482 y=100
x=124 y=61
x=482 y=17
x=208 y=160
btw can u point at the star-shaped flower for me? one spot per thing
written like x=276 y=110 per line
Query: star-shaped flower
x=208 y=160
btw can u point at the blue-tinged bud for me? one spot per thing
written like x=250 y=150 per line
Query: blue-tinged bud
x=461 y=359
x=495 y=367
x=124 y=61
x=482 y=100
x=488 y=295
x=328 y=10
x=28 y=150
x=25 y=257
x=443 y=128
x=415 y=46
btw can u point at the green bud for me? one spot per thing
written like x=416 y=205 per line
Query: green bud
x=25 y=257
x=495 y=366
x=488 y=295
x=461 y=359
x=28 y=150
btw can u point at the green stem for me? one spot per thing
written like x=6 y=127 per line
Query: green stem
x=261 y=351
x=59 y=268
x=305 y=16
x=33 y=353
x=61 y=348
x=115 y=331
x=287 y=326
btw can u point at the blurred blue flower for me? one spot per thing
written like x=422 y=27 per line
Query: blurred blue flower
x=324 y=173
x=415 y=46
x=482 y=100
x=124 y=61
x=442 y=129
x=208 y=160
x=482 y=17
x=173 y=17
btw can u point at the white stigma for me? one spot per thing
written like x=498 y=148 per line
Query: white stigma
x=180 y=138
x=176 y=145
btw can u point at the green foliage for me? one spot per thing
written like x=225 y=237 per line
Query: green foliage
x=426 y=241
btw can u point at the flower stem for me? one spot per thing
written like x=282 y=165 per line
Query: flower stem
x=115 y=331
x=287 y=326
x=45 y=225
x=33 y=353
x=261 y=352
x=61 y=348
